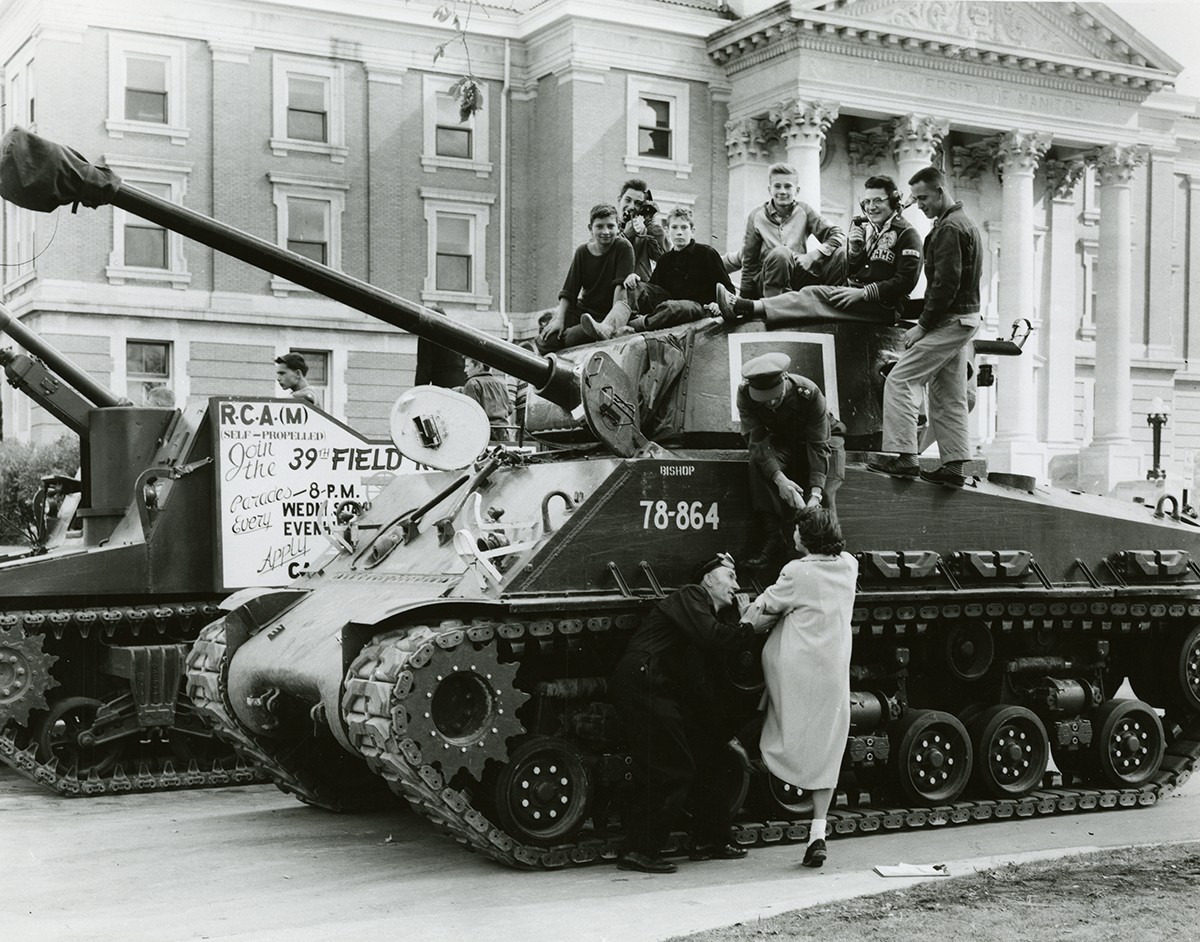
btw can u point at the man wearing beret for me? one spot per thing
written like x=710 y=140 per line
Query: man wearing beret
x=670 y=720
x=786 y=424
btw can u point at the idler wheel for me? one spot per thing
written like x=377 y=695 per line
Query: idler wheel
x=931 y=756
x=66 y=733
x=968 y=650
x=544 y=794
x=24 y=676
x=1011 y=751
x=743 y=665
x=1127 y=742
x=1183 y=680
x=780 y=798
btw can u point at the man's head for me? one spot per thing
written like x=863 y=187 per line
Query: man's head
x=818 y=531
x=783 y=182
x=764 y=377
x=679 y=227
x=634 y=194
x=880 y=199
x=475 y=367
x=602 y=223
x=290 y=370
x=929 y=191
x=718 y=576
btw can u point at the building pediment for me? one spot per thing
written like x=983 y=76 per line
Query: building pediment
x=1072 y=41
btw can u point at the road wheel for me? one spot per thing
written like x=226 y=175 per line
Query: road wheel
x=1127 y=743
x=931 y=756
x=778 y=798
x=544 y=794
x=66 y=733
x=1011 y=750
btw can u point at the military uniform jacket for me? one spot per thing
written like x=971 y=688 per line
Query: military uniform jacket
x=801 y=421
x=888 y=264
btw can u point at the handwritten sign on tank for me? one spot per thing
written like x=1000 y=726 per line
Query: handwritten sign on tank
x=287 y=475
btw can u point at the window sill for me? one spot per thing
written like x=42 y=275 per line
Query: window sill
x=282 y=146
x=432 y=163
x=119 y=275
x=481 y=301
x=636 y=164
x=118 y=128
x=281 y=288
x=16 y=284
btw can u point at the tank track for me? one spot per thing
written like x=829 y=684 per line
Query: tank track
x=140 y=773
x=382 y=676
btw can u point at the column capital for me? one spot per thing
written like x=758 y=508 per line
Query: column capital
x=803 y=122
x=969 y=162
x=1020 y=151
x=745 y=139
x=1062 y=175
x=868 y=148
x=1115 y=163
x=918 y=137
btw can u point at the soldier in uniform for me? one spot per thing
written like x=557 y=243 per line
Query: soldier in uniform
x=787 y=427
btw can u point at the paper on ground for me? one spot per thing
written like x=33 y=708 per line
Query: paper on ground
x=912 y=870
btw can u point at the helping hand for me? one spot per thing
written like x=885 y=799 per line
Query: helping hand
x=790 y=493
x=814 y=497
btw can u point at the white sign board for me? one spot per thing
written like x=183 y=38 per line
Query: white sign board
x=283 y=467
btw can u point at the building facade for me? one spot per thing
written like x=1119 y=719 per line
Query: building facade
x=330 y=127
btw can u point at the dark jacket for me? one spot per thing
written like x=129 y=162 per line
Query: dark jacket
x=888 y=265
x=953 y=265
x=802 y=419
x=691 y=273
x=591 y=278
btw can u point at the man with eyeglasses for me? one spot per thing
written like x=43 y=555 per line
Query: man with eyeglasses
x=883 y=256
x=789 y=434
x=671 y=720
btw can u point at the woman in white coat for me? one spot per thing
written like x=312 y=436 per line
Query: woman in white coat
x=806 y=662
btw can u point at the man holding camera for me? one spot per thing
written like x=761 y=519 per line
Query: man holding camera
x=883 y=256
x=640 y=227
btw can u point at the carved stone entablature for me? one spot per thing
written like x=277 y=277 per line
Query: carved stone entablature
x=1020 y=151
x=1061 y=176
x=803 y=122
x=867 y=149
x=918 y=137
x=969 y=162
x=1116 y=163
x=746 y=139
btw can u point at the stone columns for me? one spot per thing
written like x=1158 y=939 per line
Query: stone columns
x=1057 y=340
x=746 y=144
x=916 y=140
x=802 y=126
x=1016 y=447
x=1192 y=272
x=1160 y=238
x=1112 y=457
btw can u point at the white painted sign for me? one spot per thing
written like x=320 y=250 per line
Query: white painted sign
x=284 y=468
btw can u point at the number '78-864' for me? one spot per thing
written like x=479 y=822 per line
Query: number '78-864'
x=660 y=515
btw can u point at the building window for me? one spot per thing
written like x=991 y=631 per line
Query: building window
x=20 y=96
x=457 y=224
x=19 y=227
x=657 y=125
x=147 y=365
x=144 y=251
x=449 y=142
x=146 y=90
x=309 y=112
x=308 y=218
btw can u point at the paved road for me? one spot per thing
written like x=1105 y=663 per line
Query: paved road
x=249 y=863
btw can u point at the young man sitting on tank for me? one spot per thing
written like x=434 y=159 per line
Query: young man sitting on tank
x=682 y=287
x=883 y=257
x=598 y=267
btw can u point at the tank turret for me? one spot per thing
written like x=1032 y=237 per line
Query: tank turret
x=455 y=646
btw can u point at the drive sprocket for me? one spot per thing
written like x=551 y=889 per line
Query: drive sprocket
x=24 y=675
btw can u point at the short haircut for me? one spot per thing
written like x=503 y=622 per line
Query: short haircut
x=782 y=170
x=601 y=211
x=930 y=176
x=294 y=361
x=820 y=531
x=681 y=212
x=635 y=183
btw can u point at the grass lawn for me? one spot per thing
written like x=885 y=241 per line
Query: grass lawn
x=1140 y=895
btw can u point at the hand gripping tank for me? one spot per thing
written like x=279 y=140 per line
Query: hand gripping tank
x=459 y=649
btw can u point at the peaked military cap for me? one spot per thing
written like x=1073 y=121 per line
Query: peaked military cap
x=765 y=376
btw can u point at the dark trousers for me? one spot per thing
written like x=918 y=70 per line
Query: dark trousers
x=764 y=495
x=674 y=757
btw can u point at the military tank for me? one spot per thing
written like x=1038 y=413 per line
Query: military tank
x=457 y=644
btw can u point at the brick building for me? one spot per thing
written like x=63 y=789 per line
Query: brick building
x=327 y=126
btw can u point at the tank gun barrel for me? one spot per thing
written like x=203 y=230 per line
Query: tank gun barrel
x=41 y=175
x=68 y=371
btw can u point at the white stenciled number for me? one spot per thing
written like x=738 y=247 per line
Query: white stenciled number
x=659 y=515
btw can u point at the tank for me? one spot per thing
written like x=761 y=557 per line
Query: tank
x=457 y=645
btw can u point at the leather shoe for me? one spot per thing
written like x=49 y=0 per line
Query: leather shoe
x=816 y=854
x=944 y=475
x=894 y=466
x=643 y=863
x=725 y=304
x=717 y=852
x=772 y=549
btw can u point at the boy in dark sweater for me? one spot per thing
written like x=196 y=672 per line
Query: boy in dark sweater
x=681 y=289
x=598 y=268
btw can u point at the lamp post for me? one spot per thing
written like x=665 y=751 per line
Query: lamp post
x=1156 y=420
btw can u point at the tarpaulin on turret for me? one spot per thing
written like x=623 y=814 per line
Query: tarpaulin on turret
x=40 y=175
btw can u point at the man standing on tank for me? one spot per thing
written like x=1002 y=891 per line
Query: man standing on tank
x=671 y=721
x=938 y=349
x=786 y=424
